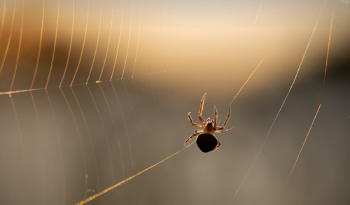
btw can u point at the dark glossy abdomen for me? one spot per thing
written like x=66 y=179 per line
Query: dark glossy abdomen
x=206 y=142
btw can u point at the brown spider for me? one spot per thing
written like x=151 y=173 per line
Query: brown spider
x=206 y=140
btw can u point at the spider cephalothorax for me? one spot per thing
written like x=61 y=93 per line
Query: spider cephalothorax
x=206 y=140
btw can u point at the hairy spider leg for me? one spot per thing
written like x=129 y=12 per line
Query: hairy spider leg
x=215 y=116
x=219 y=144
x=190 y=137
x=226 y=121
x=223 y=131
x=196 y=133
x=191 y=121
x=201 y=108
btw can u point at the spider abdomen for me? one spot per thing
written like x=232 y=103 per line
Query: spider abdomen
x=206 y=142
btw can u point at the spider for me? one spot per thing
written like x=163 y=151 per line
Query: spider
x=206 y=139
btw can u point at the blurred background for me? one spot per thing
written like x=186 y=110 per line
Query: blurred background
x=92 y=92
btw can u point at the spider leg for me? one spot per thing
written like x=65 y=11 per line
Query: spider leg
x=223 y=131
x=226 y=121
x=190 y=137
x=191 y=121
x=201 y=106
x=218 y=145
x=215 y=116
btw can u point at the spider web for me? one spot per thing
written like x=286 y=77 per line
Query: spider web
x=85 y=130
